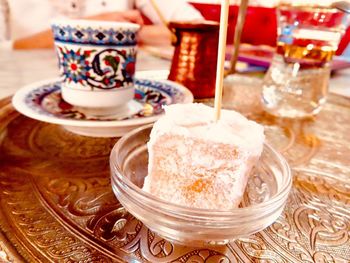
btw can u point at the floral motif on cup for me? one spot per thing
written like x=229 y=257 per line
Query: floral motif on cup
x=107 y=69
x=74 y=65
x=152 y=95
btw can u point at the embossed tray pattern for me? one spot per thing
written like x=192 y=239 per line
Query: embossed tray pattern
x=57 y=204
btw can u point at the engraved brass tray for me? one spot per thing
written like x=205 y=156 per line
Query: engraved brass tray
x=57 y=204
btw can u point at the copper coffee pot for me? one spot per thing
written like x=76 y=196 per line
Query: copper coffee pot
x=195 y=56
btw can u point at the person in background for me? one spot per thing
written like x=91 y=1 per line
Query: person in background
x=26 y=23
x=4 y=17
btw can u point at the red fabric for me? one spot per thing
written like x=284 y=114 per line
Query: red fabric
x=146 y=20
x=344 y=42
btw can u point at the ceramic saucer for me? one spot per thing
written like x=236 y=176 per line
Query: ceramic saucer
x=42 y=101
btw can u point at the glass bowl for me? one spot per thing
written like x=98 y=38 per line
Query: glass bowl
x=263 y=202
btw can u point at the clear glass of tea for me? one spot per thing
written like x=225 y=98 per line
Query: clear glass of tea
x=296 y=83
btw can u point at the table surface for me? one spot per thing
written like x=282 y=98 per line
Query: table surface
x=56 y=202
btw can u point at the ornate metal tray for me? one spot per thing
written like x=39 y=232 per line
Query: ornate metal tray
x=57 y=204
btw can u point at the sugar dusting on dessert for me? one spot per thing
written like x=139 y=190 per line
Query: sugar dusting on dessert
x=196 y=162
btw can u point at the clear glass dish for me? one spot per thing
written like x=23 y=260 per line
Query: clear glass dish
x=263 y=201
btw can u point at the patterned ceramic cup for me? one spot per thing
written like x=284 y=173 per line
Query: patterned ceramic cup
x=97 y=61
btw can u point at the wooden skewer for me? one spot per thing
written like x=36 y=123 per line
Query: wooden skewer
x=159 y=13
x=238 y=33
x=221 y=58
x=163 y=20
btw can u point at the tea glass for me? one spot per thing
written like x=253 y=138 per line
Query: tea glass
x=296 y=84
x=97 y=62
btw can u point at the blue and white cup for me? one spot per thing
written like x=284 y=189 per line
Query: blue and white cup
x=96 y=61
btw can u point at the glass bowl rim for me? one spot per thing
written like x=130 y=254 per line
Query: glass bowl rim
x=285 y=188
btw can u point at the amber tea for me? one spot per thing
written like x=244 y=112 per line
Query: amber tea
x=297 y=82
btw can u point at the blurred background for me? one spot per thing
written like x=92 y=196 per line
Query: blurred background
x=260 y=26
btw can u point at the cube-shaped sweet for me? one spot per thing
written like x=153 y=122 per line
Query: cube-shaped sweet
x=197 y=162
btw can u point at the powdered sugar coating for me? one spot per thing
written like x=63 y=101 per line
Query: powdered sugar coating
x=197 y=120
x=196 y=162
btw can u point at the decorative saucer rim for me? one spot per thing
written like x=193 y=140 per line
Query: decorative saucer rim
x=18 y=101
